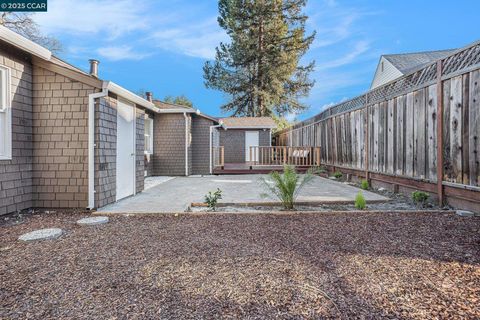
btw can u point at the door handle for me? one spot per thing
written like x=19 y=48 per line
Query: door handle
x=132 y=154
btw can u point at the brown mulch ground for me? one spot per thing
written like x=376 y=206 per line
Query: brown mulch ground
x=324 y=265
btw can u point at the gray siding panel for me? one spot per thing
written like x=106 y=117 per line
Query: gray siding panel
x=169 y=145
x=105 y=152
x=201 y=145
x=16 y=174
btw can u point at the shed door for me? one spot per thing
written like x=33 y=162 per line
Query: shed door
x=251 y=140
x=125 y=150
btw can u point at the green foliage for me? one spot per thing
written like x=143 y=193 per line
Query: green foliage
x=337 y=174
x=360 y=202
x=318 y=170
x=286 y=186
x=180 y=100
x=259 y=67
x=211 y=199
x=364 y=185
x=281 y=123
x=420 y=197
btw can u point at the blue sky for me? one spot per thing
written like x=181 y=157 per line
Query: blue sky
x=161 y=46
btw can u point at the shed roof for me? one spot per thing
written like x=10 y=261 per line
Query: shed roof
x=248 y=122
x=407 y=62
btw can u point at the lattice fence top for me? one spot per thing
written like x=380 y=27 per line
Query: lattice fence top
x=461 y=59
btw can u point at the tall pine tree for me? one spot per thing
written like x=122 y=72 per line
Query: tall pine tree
x=259 y=69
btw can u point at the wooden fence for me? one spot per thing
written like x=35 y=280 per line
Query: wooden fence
x=422 y=126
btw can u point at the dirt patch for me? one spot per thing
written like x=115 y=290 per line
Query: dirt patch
x=314 y=265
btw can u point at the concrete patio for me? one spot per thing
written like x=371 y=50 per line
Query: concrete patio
x=176 y=195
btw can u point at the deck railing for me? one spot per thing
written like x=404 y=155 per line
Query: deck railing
x=280 y=155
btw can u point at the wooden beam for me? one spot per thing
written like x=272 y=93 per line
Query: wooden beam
x=439 y=134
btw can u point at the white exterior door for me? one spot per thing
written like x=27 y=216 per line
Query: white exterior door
x=125 y=150
x=251 y=140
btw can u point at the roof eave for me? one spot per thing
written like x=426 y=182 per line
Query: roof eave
x=130 y=96
x=24 y=44
x=248 y=127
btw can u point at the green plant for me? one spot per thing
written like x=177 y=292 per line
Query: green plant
x=318 y=170
x=286 y=186
x=337 y=174
x=420 y=197
x=360 y=202
x=211 y=199
x=364 y=185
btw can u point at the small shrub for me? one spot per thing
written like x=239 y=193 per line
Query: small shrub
x=211 y=199
x=420 y=197
x=360 y=202
x=286 y=186
x=337 y=174
x=318 y=170
x=364 y=185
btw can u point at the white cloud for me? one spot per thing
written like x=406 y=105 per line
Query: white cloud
x=123 y=52
x=112 y=18
x=196 y=40
x=359 y=48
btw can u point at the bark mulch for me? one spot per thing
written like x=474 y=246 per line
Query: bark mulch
x=314 y=265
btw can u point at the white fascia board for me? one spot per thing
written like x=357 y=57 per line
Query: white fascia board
x=24 y=44
x=250 y=127
x=130 y=96
x=176 y=111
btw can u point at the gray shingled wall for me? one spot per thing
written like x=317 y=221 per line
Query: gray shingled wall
x=16 y=174
x=60 y=140
x=233 y=141
x=201 y=145
x=106 y=151
x=140 y=150
x=169 y=145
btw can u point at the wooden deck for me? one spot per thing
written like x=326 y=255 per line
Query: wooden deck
x=268 y=159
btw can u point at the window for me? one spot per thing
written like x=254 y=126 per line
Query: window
x=5 y=115
x=382 y=67
x=148 y=135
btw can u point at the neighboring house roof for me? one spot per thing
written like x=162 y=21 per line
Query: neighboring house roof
x=408 y=62
x=44 y=58
x=167 y=107
x=162 y=105
x=248 y=123
x=393 y=66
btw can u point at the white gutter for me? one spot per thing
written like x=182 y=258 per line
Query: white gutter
x=91 y=144
x=24 y=44
x=130 y=96
x=250 y=127
x=211 y=144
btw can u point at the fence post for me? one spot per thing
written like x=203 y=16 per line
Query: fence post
x=440 y=134
x=367 y=140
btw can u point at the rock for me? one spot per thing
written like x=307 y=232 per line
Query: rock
x=92 y=221
x=42 y=234
x=465 y=213
x=382 y=189
x=332 y=178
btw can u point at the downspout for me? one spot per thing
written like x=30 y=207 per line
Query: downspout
x=91 y=143
x=186 y=143
x=211 y=144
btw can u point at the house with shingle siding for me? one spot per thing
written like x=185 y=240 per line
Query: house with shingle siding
x=69 y=139
x=60 y=128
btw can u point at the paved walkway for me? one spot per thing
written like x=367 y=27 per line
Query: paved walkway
x=175 y=195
